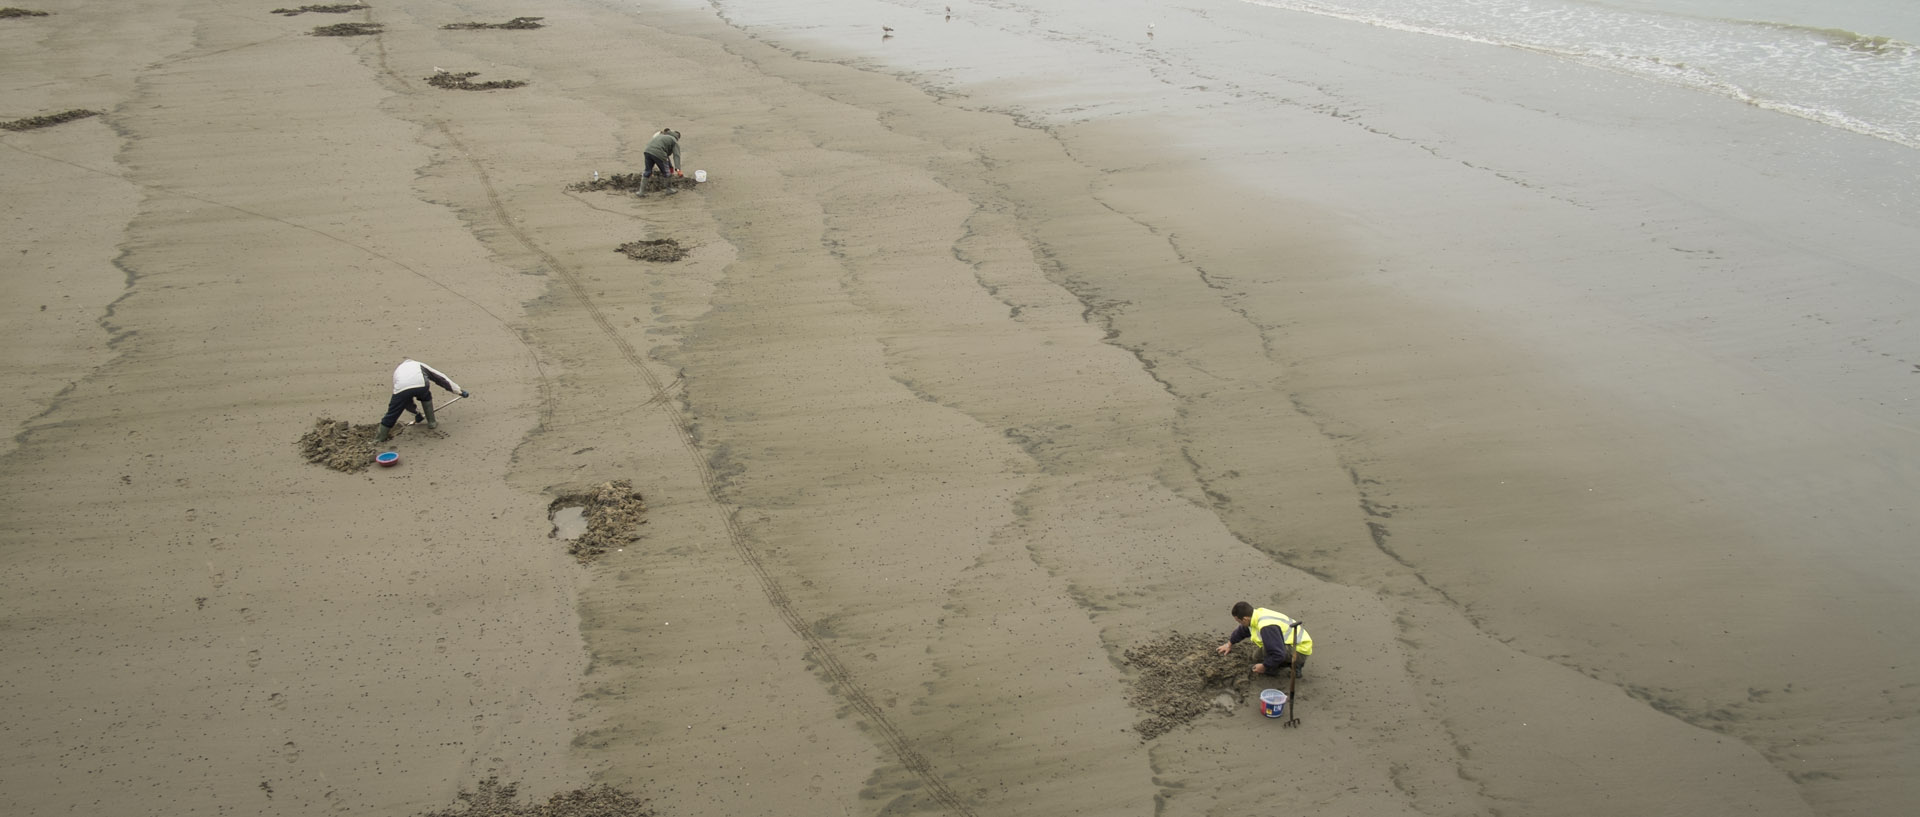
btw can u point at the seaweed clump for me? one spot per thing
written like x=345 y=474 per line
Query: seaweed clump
x=517 y=23
x=463 y=81
x=48 y=121
x=491 y=798
x=10 y=11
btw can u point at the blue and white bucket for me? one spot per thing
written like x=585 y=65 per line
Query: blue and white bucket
x=1273 y=703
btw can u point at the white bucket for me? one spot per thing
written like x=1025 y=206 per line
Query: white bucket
x=700 y=176
x=1273 y=703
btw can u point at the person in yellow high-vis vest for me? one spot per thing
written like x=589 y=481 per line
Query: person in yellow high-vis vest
x=1281 y=640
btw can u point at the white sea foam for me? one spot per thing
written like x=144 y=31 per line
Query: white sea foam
x=1860 y=81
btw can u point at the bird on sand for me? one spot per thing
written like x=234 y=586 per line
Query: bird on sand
x=887 y=29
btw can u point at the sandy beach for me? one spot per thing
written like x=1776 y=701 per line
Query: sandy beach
x=1589 y=469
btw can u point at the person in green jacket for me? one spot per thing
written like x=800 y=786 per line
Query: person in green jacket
x=663 y=151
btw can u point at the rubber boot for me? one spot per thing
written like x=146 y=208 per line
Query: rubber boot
x=427 y=406
x=643 y=188
x=380 y=436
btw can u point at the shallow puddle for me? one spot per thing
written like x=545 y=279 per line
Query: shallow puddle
x=569 y=523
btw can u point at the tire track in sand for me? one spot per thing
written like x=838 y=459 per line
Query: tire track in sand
x=843 y=679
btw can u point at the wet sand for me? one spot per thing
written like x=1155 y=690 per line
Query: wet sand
x=940 y=414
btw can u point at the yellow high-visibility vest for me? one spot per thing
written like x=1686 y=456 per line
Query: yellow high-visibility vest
x=1295 y=635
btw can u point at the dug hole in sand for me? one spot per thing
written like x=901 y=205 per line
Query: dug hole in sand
x=612 y=512
x=1181 y=677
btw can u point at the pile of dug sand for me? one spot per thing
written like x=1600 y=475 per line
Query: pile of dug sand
x=658 y=249
x=332 y=8
x=515 y=24
x=347 y=30
x=48 y=121
x=492 y=799
x=612 y=511
x=339 y=445
x=1180 y=677
x=630 y=183
x=463 y=81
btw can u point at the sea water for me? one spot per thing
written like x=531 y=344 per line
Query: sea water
x=1849 y=64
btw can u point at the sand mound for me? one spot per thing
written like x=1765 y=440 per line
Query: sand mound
x=517 y=23
x=336 y=8
x=1180 y=679
x=49 y=120
x=630 y=183
x=659 y=249
x=347 y=30
x=463 y=81
x=612 y=511
x=339 y=445
x=491 y=799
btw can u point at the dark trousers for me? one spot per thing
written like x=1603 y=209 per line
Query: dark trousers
x=403 y=401
x=652 y=162
x=1299 y=665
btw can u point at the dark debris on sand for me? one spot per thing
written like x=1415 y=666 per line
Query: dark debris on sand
x=630 y=183
x=336 y=8
x=14 y=12
x=347 y=30
x=491 y=798
x=613 y=512
x=339 y=445
x=48 y=121
x=517 y=23
x=658 y=249
x=463 y=81
x=1180 y=676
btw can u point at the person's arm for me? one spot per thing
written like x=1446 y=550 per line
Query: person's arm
x=441 y=380
x=676 y=153
x=1238 y=635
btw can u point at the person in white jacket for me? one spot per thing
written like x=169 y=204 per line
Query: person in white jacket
x=410 y=384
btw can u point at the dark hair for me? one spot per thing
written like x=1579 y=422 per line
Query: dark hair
x=1242 y=609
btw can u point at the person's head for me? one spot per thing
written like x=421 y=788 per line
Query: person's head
x=1242 y=612
x=674 y=133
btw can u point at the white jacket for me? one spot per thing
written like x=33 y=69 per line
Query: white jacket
x=413 y=374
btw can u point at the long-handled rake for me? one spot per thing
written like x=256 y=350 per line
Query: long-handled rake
x=1293 y=679
x=456 y=398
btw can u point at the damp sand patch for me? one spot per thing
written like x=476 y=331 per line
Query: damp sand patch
x=1180 y=678
x=515 y=24
x=339 y=445
x=630 y=183
x=48 y=121
x=10 y=11
x=658 y=249
x=347 y=30
x=336 y=8
x=612 y=511
x=463 y=81
x=491 y=798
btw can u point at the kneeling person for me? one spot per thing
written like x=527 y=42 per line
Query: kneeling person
x=1282 y=641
